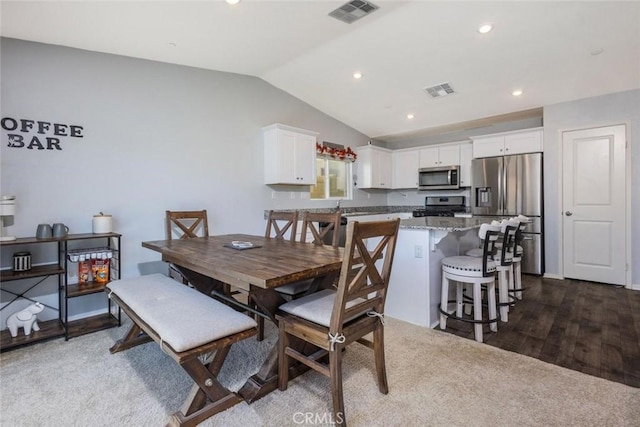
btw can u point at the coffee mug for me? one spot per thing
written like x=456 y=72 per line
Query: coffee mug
x=60 y=230
x=44 y=231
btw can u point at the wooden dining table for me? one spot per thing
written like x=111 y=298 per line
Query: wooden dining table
x=213 y=267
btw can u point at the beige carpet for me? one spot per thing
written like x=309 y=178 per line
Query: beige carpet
x=435 y=379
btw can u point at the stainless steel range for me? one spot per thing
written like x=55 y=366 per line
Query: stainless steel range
x=441 y=206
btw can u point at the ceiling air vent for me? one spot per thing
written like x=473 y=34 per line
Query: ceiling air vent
x=439 y=91
x=353 y=10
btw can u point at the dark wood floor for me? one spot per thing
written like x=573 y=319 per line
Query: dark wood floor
x=588 y=327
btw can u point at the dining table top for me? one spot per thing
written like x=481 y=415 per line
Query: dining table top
x=268 y=263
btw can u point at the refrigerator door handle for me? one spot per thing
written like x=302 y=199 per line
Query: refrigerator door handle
x=504 y=187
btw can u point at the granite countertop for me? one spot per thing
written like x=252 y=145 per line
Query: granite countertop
x=444 y=223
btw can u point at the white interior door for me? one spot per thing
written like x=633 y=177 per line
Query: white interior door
x=594 y=204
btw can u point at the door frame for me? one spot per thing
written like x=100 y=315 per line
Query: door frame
x=627 y=193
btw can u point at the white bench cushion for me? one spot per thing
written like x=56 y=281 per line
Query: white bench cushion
x=316 y=307
x=183 y=317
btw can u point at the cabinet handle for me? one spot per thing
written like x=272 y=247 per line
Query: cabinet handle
x=501 y=150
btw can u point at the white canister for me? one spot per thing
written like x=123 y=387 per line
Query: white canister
x=102 y=224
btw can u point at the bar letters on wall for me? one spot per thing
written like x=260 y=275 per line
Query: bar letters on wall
x=38 y=135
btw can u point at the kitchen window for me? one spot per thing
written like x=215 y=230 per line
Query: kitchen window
x=333 y=179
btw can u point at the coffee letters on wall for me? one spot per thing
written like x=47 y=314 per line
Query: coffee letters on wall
x=38 y=135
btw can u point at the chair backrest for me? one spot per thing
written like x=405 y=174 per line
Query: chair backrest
x=508 y=229
x=488 y=234
x=326 y=223
x=522 y=224
x=279 y=223
x=186 y=224
x=364 y=275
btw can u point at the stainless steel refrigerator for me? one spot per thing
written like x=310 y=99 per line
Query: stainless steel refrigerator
x=508 y=186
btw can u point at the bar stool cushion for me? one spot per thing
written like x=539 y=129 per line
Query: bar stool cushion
x=316 y=307
x=466 y=266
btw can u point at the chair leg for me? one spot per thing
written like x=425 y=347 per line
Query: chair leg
x=517 y=272
x=444 y=301
x=491 y=301
x=283 y=359
x=378 y=350
x=477 y=310
x=335 y=368
x=260 y=321
x=503 y=295
x=459 y=298
x=467 y=307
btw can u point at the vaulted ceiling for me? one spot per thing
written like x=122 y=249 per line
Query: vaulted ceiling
x=552 y=51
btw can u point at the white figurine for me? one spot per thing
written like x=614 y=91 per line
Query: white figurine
x=25 y=318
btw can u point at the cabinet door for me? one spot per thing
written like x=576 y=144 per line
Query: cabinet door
x=466 y=152
x=488 y=147
x=305 y=159
x=405 y=169
x=289 y=157
x=382 y=169
x=449 y=156
x=374 y=167
x=527 y=142
x=429 y=157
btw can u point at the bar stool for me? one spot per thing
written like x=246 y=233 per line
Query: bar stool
x=476 y=271
x=515 y=284
x=504 y=266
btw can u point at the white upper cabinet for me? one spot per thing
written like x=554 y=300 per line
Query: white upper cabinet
x=289 y=155
x=466 y=153
x=374 y=167
x=505 y=144
x=405 y=168
x=445 y=155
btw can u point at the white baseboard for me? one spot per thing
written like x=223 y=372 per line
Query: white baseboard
x=553 y=276
x=635 y=287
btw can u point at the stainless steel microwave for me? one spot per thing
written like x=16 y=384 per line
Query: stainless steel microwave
x=440 y=178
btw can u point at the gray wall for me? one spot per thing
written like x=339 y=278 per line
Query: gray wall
x=156 y=137
x=618 y=108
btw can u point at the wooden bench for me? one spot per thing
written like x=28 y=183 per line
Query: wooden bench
x=186 y=324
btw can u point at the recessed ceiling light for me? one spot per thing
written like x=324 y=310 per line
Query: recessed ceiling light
x=597 y=51
x=517 y=92
x=485 y=28
x=410 y=116
x=171 y=44
x=357 y=75
x=233 y=1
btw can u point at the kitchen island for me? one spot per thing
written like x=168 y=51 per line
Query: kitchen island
x=416 y=276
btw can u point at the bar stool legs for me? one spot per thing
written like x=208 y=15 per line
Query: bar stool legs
x=476 y=284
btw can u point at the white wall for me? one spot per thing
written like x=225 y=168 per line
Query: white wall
x=618 y=108
x=156 y=137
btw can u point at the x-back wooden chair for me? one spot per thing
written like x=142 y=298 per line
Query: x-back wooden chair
x=281 y=222
x=185 y=225
x=331 y=320
x=311 y=223
x=319 y=225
